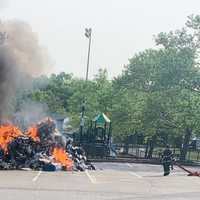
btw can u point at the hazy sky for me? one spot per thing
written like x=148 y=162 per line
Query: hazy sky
x=120 y=28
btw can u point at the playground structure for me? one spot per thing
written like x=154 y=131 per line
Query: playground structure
x=96 y=139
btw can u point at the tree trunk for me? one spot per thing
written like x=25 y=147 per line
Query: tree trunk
x=151 y=147
x=147 y=149
x=126 y=147
x=185 y=146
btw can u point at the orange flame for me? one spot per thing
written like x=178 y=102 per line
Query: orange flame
x=7 y=134
x=61 y=157
x=33 y=133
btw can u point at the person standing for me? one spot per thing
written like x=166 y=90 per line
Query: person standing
x=167 y=158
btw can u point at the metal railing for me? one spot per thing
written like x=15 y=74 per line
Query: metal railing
x=138 y=151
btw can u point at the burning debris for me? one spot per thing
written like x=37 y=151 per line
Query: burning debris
x=40 y=148
x=7 y=134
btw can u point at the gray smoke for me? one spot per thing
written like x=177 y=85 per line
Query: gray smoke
x=21 y=57
x=30 y=114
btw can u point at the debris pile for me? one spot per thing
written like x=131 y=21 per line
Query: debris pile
x=42 y=147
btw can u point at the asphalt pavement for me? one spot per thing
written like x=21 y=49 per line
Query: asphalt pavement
x=111 y=181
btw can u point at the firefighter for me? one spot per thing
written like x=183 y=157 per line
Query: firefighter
x=167 y=159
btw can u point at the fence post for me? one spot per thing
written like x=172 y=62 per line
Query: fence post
x=137 y=150
x=189 y=155
x=198 y=155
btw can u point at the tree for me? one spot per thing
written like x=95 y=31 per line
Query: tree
x=55 y=92
x=186 y=41
x=97 y=94
x=165 y=77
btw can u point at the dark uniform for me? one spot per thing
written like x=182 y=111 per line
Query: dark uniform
x=167 y=159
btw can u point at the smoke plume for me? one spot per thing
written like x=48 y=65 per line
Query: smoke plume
x=21 y=57
x=30 y=114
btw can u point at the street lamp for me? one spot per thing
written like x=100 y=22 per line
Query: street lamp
x=88 y=34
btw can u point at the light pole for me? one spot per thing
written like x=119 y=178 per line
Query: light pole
x=88 y=34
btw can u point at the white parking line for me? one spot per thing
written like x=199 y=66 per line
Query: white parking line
x=196 y=178
x=92 y=178
x=129 y=165
x=135 y=174
x=37 y=176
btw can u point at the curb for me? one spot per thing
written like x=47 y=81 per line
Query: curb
x=141 y=161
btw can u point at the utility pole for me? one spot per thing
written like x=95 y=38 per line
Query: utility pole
x=88 y=34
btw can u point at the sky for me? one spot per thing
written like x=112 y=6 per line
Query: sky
x=121 y=28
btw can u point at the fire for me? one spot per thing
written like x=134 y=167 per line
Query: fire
x=33 y=133
x=40 y=133
x=61 y=156
x=7 y=134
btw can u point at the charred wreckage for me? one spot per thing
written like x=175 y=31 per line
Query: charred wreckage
x=41 y=147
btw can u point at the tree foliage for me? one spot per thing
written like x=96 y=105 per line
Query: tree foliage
x=169 y=80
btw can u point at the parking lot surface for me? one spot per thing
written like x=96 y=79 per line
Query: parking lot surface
x=110 y=181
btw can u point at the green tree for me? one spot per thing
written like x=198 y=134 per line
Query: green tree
x=97 y=94
x=55 y=92
x=166 y=77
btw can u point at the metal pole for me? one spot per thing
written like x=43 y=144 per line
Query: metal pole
x=82 y=119
x=88 y=59
x=88 y=34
